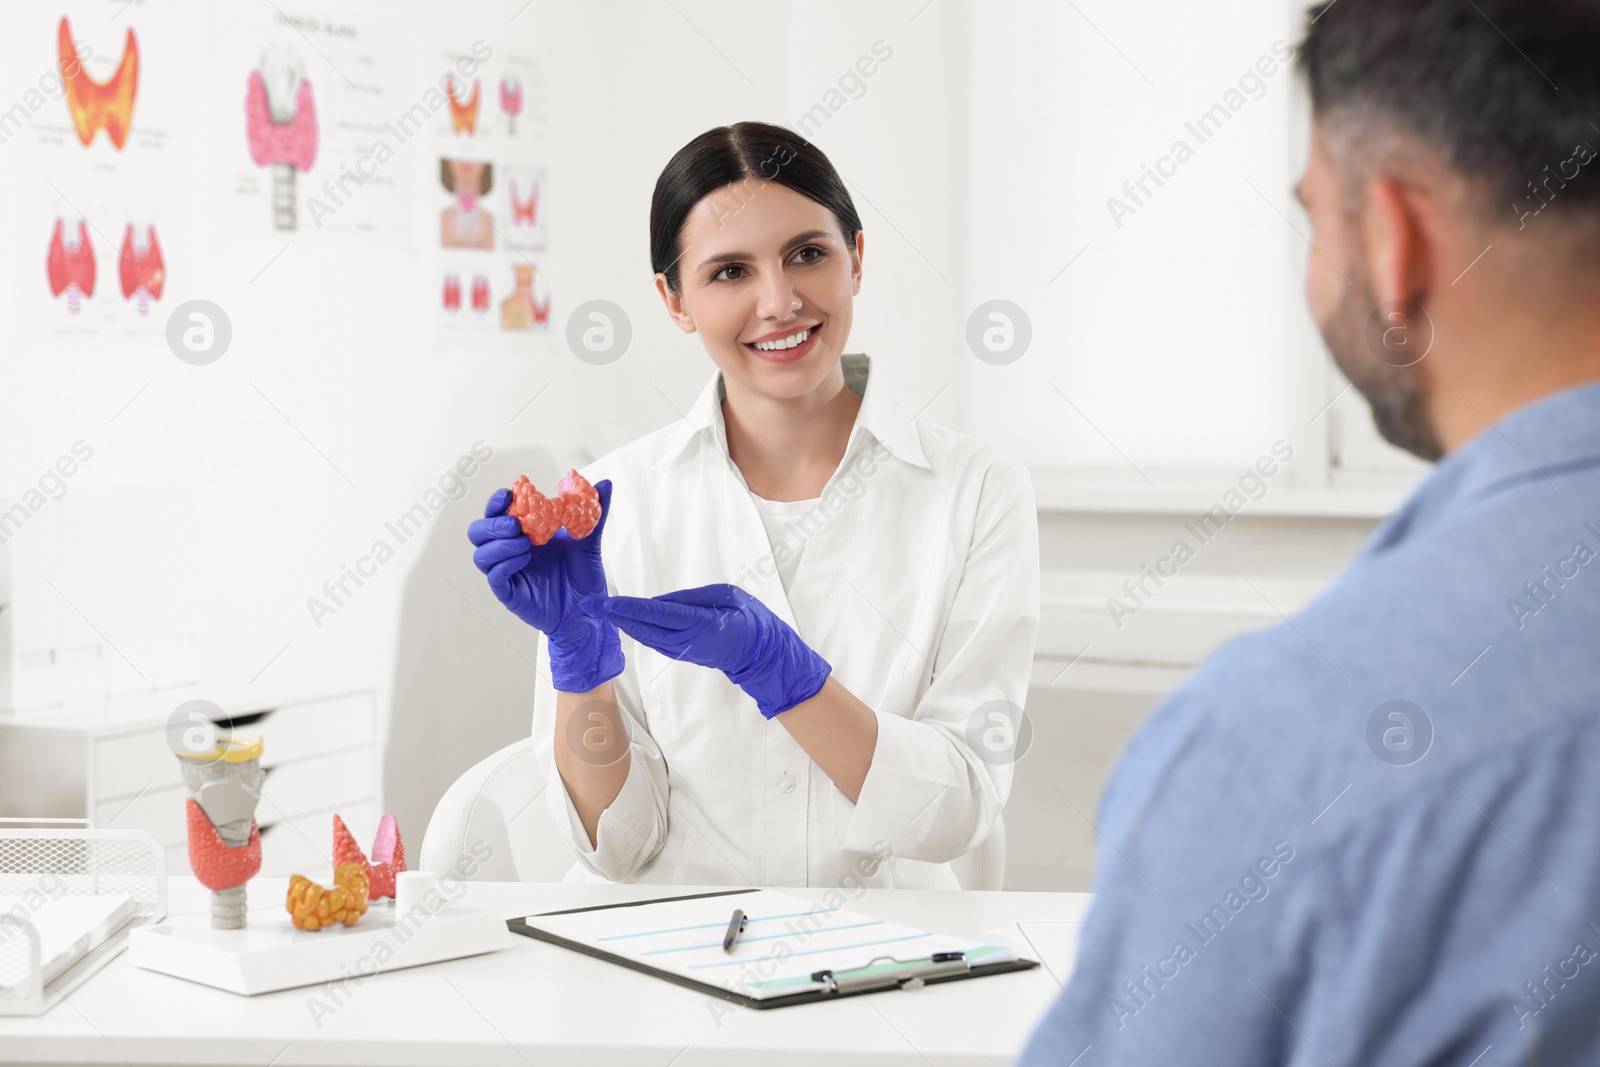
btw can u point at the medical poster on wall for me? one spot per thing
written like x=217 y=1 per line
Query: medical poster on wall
x=319 y=122
x=490 y=206
x=98 y=132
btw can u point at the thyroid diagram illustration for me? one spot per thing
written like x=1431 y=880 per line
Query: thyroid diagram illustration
x=143 y=274
x=97 y=106
x=464 y=113
x=511 y=103
x=524 y=212
x=521 y=310
x=71 y=269
x=281 y=124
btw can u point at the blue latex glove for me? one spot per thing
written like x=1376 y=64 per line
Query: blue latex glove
x=543 y=585
x=724 y=627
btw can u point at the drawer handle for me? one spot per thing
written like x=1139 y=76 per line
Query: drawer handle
x=237 y=722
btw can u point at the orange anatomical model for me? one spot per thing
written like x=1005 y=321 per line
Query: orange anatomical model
x=576 y=506
x=312 y=907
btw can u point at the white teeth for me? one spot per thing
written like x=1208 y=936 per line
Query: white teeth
x=786 y=342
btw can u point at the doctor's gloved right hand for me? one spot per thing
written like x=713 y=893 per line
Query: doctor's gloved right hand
x=542 y=585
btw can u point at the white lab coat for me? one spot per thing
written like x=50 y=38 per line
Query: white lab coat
x=922 y=592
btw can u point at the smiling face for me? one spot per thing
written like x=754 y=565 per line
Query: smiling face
x=760 y=263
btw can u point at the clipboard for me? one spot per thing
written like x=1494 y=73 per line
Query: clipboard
x=830 y=984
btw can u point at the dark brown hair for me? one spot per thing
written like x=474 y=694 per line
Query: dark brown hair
x=736 y=153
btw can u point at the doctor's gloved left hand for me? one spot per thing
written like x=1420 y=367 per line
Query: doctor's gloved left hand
x=544 y=586
x=723 y=627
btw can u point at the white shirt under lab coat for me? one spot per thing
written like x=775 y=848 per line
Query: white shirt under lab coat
x=918 y=583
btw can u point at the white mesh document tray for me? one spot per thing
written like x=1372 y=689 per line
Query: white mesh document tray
x=41 y=871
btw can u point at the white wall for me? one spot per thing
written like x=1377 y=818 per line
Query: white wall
x=1168 y=331
x=981 y=156
x=337 y=406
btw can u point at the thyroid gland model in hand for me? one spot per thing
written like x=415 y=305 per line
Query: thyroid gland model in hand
x=576 y=506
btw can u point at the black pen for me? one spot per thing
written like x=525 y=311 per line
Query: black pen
x=735 y=928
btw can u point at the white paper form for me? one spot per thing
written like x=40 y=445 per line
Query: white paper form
x=785 y=940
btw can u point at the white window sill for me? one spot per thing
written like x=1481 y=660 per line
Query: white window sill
x=1193 y=491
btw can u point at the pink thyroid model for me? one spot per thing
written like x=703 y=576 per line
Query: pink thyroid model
x=388 y=854
x=576 y=506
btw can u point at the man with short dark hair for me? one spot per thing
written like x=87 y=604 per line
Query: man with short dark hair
x=1372 y=835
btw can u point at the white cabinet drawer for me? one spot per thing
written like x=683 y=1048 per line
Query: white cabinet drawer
x=160 y=811
x=294 y=731
x=315 y=784
x=309 y=785
x=124 y=765
x=304 y=845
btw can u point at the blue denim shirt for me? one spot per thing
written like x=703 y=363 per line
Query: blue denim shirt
x=1371 y=835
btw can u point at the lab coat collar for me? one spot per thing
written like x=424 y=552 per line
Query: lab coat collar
x=881 y=415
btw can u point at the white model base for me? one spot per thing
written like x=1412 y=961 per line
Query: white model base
x=270 y=954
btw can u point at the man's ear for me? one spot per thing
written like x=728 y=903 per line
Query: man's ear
x=674 y=303
x=1398 y=250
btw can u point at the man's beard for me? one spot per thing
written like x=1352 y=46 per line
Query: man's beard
x=1392 y=392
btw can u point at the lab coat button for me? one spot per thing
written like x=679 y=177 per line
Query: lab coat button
x=786 y=783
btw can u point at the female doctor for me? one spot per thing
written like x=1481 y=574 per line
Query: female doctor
x=832 y=605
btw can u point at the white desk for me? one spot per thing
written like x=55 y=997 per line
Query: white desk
x=539 y=1004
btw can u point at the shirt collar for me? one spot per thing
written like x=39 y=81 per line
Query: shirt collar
x=881 y=415
x=1538 y=441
